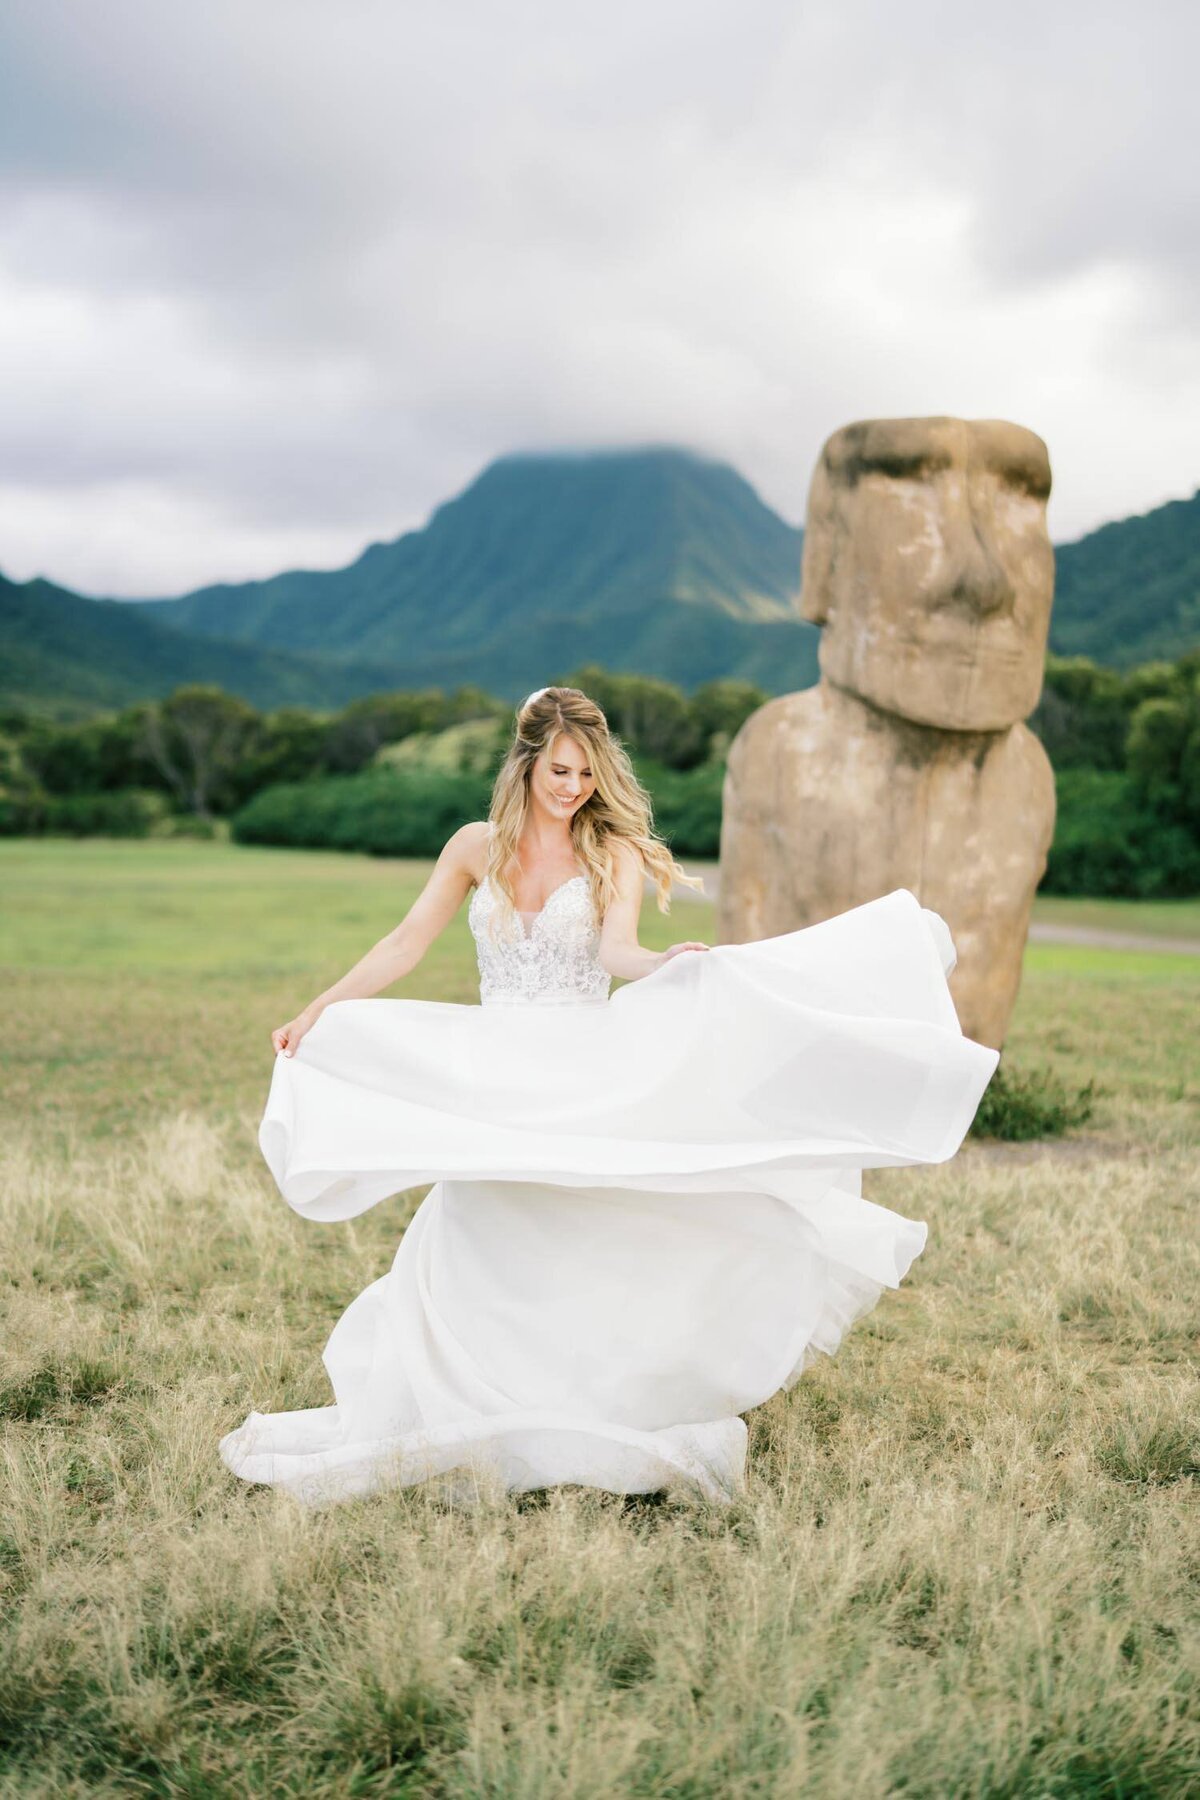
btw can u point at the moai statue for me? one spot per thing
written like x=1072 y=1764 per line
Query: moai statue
x=927 y=561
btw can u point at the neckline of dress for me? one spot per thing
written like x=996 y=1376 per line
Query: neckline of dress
x=523 y=914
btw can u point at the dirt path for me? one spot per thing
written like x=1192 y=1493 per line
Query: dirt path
x=1040 y=932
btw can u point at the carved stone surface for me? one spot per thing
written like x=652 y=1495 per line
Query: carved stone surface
x=926 y=559
x=928 y=563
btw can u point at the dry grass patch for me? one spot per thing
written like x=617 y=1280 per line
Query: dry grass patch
x=965 y=1562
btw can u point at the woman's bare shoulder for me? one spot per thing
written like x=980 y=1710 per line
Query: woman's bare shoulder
x=468 y=849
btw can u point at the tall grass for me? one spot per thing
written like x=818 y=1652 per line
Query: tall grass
x=962 y=1564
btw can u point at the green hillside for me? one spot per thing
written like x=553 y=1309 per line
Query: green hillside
x=68 y=656
x=1130 y=592
x=656 y=561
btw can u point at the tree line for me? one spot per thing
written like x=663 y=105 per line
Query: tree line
x=1125 y=748
x=202 y=754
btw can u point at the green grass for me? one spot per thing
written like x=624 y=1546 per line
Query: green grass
x=967 y=1560
x=139 y=976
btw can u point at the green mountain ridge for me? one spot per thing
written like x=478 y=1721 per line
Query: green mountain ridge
x=69 y=656
x=1129 y=592
x=656 y=561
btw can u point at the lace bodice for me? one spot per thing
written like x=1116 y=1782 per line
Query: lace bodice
x=547 y=958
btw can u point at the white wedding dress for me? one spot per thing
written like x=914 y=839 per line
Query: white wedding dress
x=646 y=1215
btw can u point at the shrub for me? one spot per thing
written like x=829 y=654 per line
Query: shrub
x=130 y=812
x=411 y=808
x=1020 y=1104
x=386 y=812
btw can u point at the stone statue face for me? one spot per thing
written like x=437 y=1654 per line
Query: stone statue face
x=927 y=560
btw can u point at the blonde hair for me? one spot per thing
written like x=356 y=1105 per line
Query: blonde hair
x=619 y=811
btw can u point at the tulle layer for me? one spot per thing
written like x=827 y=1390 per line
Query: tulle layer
x=647 y=1214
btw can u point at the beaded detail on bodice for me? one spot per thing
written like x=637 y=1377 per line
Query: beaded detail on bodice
x=547 y=958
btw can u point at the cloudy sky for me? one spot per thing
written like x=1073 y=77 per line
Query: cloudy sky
x=279 y=276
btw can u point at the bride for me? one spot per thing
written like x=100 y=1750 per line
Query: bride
x=646 y=1214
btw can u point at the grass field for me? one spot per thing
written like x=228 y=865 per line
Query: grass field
x=968 y=1558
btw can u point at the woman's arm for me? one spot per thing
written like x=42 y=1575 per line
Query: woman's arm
x=402 y=949
x=620 y=953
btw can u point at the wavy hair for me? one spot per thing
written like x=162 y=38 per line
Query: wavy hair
x=619 y=811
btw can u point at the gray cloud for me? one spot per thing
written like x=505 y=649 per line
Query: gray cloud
x=278 y=279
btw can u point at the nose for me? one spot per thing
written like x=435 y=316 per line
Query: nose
x=976 y=578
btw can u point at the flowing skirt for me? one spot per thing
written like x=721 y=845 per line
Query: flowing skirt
x=646 y=1214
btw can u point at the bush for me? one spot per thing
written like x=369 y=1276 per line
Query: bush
x=386 y=812
x=190 y=825
x=131 y=813
x=1019 y=1105
x=411 y=808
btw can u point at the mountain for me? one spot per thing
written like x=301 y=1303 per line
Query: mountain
x=68 y=656
x=1130 y=592
x=656 y=561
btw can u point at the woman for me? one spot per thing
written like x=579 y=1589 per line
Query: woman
x=646 y=1215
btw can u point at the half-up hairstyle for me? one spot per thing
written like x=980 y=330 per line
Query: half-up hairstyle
x=618 y=812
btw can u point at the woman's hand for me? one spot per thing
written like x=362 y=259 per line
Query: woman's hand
x=288 y=1036
x=676 y=948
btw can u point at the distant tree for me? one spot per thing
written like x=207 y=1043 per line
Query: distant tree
x=100 y=756
x=288 y=745
x=22 y=801
x=721 y=708
x=1083 y=714
x=1163 y=754
x=196 y=739
x=649 y=716
x=469 y=702
x=365 y=726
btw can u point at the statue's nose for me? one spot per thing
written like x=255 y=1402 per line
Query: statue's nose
x=976 y=577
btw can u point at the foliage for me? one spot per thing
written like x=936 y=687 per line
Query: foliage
x=1022 y=1104
x=1083 y=714
x=386 y=812
x=198 y=739
x=476 y=747
x=648 y=716
x=410 y=808
x=658 y=722
x=1125 y=747
x=1163 y=752
x=1109 y=841
x=359 y=732
x=721 y=708
x=129 y=812
x=687 y=806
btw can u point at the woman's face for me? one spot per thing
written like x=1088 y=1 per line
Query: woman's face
x=561 y=779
